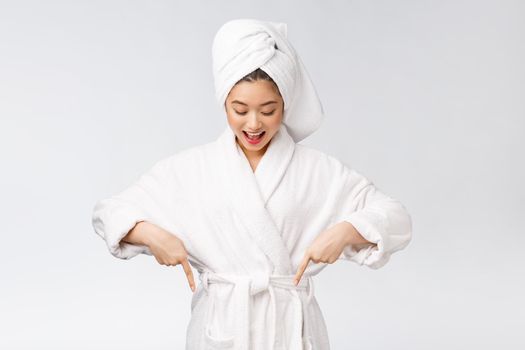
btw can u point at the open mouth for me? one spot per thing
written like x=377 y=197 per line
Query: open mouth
x=253 y=138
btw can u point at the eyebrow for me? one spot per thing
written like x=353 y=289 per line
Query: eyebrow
x=262 y=104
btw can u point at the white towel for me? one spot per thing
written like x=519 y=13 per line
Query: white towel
x=241 y=46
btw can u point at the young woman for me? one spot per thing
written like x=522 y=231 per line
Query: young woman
x=257 y=214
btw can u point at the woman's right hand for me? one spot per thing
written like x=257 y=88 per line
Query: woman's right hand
x=167 y=248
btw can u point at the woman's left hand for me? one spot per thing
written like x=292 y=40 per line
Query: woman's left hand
x=329 y=244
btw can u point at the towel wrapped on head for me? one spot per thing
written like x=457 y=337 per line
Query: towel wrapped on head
x=241 y=46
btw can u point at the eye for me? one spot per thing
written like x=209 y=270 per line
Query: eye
x=269 y=113
x=240 y=113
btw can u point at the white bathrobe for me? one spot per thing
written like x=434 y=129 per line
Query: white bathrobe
x=246 y=233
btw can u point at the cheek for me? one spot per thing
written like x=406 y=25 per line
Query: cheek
x=277 y=121
x=234 y=122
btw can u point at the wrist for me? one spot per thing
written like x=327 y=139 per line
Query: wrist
x=352 y=236
x=146 y=233
x=152 y=235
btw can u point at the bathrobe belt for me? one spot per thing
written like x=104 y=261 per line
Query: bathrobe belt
x=247 y=286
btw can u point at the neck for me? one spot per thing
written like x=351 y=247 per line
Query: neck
x=253 y=156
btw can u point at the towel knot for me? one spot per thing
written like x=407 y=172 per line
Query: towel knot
x=241 y=46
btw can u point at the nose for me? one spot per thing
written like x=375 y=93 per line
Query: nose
x=253 y=122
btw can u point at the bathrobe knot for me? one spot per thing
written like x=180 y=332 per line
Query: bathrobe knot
x=247 y=286
x=259 y=283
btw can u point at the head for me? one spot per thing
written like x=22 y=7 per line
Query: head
x=254 y=105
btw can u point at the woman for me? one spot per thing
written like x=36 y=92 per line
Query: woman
x=253 y=208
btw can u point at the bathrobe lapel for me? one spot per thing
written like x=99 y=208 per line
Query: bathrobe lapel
x=248 y=192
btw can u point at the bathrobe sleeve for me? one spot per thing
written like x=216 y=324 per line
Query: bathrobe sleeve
x=379 y=219
x=144 y=200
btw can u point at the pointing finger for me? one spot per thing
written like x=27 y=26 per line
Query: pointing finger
x=189 y=273
x=301 y=269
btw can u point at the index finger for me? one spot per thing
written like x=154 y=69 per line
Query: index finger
x=189 y=274
x=301 y=269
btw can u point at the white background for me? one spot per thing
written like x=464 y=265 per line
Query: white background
x=426 y=98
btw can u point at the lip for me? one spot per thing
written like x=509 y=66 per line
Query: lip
x=253 y=142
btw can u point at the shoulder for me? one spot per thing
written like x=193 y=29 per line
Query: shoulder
x=188 y=156
x=316 y=158
x=329 y=169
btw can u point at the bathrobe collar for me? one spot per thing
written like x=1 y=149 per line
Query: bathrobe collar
x=251 y=191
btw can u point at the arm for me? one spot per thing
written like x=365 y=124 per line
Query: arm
x=376 y=217
x=141 y=234
x=354 y=238
x=115 y=217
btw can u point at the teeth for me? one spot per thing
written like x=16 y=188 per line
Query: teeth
x=253 y=136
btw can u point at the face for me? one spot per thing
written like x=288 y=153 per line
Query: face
x=254 y=108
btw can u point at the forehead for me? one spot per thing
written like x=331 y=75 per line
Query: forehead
x=254 y=93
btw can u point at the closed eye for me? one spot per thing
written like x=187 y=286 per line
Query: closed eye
x=269 y=113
